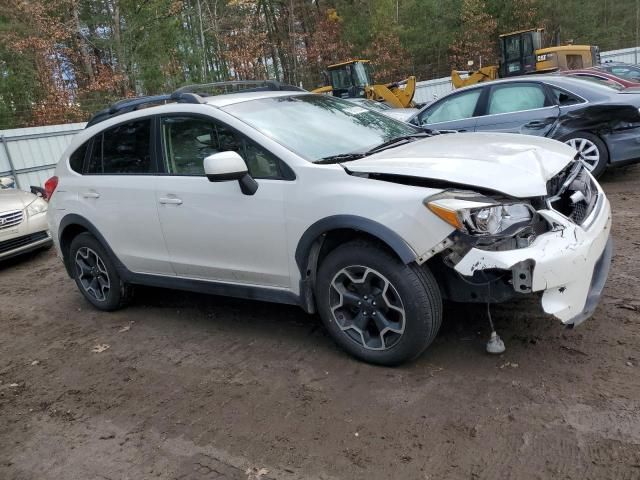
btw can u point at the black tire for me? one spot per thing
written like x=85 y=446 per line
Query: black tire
x=415 y=287
x=87 y=251
x=600 y=165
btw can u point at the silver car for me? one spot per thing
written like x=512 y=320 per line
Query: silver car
x=23 y=223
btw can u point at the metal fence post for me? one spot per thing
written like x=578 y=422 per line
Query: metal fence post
x=11 y=166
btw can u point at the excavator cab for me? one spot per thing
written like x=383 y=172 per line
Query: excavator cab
x=518 y=52
x=350 y=79
x=354 y=79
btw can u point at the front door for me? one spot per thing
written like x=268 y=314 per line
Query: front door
x=212 y=230
x=518 y=107
x=454 y=112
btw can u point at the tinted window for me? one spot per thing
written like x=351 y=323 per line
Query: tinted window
x=124 y=149
x=562 y=97
x=187 y=141
x=456 y=107
x=629 y=73
x=76 y=160
x=515 y=98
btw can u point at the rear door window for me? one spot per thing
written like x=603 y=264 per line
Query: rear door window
x=123 y=150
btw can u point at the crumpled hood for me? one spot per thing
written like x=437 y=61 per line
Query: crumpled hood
x=516 y=165
x=14 y=199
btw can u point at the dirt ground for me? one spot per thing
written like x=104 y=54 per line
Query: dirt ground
x=200 y=387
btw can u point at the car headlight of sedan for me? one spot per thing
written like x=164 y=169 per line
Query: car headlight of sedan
x=475 y=214
x=36 y=207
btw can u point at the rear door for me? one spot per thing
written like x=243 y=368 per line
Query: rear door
x=454 y=112
x=117 y=194
x=518 y=107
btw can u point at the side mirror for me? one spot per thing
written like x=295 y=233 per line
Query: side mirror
x=227 y=166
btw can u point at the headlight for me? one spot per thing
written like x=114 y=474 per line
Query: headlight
x=475 y=214
x=36 y=207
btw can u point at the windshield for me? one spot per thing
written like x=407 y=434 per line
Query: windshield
x=319 y=126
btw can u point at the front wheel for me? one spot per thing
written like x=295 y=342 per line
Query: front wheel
x=374 y=306
x=591 y=150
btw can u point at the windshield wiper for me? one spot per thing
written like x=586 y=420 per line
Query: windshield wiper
x=394 y=142
x=341 y=157
x=398 y=140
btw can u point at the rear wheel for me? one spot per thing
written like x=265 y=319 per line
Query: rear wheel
x=592 y=151
x=95 y=274
x=375 y=307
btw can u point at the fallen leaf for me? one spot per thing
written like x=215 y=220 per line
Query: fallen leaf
x=509 y=364
x=126 y=328
x=255 y=473
x=100 y=348
x=627 y=306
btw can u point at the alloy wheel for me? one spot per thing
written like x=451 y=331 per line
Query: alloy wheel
x=92 y=273
x=588 y=152
x=367 y=307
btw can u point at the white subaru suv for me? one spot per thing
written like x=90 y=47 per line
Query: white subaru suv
x=277 y=194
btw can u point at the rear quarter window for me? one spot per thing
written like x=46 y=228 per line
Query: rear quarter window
x=76 y=160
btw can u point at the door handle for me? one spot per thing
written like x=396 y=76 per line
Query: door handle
x=170 y=201
x=91 y=195
x=536 y=124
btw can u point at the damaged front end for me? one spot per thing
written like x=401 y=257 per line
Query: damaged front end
x=557 y=244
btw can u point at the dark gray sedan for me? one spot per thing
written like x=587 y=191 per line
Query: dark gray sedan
x=601 y=122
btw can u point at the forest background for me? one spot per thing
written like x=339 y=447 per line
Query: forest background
x=61 y=60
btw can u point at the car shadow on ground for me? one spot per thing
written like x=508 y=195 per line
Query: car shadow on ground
x=521 y=323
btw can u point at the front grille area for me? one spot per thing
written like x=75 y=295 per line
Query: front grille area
x=18 y=242
x=10 y=219
x=573 y=193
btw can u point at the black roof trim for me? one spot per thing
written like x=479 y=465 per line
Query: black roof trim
x=190 y=94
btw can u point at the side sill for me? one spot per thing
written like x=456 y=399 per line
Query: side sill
x=249 y=292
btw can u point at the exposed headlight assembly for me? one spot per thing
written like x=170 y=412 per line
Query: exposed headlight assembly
x=475 y=214
x=36 y=207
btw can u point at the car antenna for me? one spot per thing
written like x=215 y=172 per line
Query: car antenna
x=495 y=345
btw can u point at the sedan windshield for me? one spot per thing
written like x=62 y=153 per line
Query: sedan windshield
x=319 y=126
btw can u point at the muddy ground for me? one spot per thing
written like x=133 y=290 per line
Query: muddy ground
x=199 y=387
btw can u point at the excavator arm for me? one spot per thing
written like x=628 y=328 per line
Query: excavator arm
x=482 y=75
x=396 y=94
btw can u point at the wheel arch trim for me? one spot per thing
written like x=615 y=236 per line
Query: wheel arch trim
x=353 y=222
x=72 y=219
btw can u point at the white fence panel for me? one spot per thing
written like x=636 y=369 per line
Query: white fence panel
x=429 y=90
x=30 y=154
x=627 y=55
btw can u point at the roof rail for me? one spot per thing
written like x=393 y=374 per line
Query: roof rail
x=190 y=94
x=131 y=104
x=235 y=86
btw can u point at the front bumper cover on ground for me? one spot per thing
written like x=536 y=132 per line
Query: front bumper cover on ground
x=570 y=263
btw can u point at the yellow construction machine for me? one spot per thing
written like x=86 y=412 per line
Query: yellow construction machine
x=521 y=53
x=354 y=79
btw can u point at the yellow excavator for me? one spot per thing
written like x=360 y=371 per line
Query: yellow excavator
x=353 y=79
x=521 y=53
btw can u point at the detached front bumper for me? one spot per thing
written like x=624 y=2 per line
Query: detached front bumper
x=569 y=264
